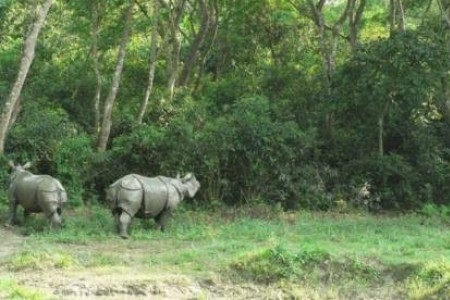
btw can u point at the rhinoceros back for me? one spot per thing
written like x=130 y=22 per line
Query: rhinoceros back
x=135 y=193
x=155 y=194
x=128 y=195
x=36 y=193
x=50 y=194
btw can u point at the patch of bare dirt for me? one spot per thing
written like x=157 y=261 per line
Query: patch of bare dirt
x=135 y=285
x=10 y=241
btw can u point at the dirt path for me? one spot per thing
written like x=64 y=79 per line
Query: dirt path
x=10 y=242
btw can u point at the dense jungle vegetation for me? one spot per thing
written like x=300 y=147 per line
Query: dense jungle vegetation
x=298 y=103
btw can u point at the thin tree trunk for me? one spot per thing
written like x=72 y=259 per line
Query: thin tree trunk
x=154 y=53
x=397 y=18
x=105 y=129
x=328 y=46
x=196 y=44
x=173 y=58
x=381 y=127
x=355 y=19
x=13 y=101
x=98 y=87
x=213 y=35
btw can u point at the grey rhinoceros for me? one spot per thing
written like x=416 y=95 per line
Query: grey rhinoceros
x=148 y=197
x=35 y=193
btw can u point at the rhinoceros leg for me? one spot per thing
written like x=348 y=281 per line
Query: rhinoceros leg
x=124 y=222
x=163 y=218
x=26 y=215
x=56 y=220
x=117 y=221
x=13 y=212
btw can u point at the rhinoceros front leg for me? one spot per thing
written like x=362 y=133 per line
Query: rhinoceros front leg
x=12 y=212
x=124 y=222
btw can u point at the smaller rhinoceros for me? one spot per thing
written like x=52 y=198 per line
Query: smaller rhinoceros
x=35 y=193
x=148 y=197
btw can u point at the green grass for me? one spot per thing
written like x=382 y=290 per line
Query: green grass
x=13 y=291
x=344 y=252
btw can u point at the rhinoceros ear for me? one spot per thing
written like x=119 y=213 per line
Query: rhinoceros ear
x=27 y=165
x=187 y=177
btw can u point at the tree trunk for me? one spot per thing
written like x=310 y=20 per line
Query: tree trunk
x=397 y=18
x=214 y=24
x=154 y=53
x=381 y=127
x=12 y=103
x=355 y=18
x=105 y=129
x=98 y=87
x=328 y=46
x=173 y=58
x=196 y=44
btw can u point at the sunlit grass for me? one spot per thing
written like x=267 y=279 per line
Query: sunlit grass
x=13 y=291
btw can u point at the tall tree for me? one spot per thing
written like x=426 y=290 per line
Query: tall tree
x=94 y=55
x=13 y=101
x=105 y=129
x=205 y=24
x=397 y=16
x=175 y=9
x=154 y=53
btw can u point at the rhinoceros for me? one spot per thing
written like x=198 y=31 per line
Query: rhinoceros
x=148 y=197
x=35 y=193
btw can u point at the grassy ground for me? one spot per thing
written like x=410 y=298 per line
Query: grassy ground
x=229 y=254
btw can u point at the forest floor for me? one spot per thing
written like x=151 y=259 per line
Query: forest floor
x=221 y=256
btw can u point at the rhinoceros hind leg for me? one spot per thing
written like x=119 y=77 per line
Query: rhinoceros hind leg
x=55 y=220
x=117 y=222
x=26 y=215
x=124 y=222
x=162 y=219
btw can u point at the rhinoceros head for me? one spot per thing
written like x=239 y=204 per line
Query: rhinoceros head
x=191 y=183
x=16 y=169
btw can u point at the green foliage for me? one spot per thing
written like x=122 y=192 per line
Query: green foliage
x=257 y=121
x=435 y=211
x=276 y=263
x=38 y=132
x=396 y=81
x=72 y=158
x=267 y=266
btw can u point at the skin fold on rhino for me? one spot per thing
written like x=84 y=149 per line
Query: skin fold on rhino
x=35 y=193
x=148 y=197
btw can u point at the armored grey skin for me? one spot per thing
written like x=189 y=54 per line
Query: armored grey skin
x=35 y=193
x=148 y=197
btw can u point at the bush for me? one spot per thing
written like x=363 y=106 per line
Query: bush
x=73 y=158
x=277 y=263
